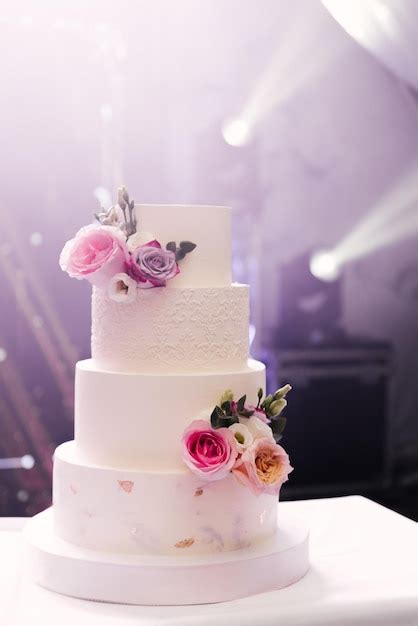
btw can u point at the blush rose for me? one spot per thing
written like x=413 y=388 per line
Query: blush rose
x=209 y=453
x=96 y=253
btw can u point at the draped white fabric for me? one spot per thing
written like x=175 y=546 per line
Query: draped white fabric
x=364 y=572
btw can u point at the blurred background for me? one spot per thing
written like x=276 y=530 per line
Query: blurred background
x=301 y=115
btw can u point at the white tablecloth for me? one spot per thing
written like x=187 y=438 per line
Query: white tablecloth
x=364 y=572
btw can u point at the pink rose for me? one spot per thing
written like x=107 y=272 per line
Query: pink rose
x=210 y=453
x=96 y=253
x=151 y=264
x=263 y=467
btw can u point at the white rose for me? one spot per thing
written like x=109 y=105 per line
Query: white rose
x=122 y=288
x=257 y=428
x=139 y=239
x=242 y=435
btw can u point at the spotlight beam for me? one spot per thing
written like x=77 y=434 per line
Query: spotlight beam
x=396 y=207
x=391 y=234
x=392 y=219
x=304 y=53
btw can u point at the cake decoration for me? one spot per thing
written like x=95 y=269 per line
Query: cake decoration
x=242 y=439
x=126 y=485
x=115 y=256
x=184 y=543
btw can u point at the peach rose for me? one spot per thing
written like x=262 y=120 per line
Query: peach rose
x=263 y=467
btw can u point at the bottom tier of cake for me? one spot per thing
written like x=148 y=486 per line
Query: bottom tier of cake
x=117 y=510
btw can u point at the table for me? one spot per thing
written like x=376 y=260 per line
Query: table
x=364 y=572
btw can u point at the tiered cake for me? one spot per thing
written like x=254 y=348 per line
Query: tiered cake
x=175 y=450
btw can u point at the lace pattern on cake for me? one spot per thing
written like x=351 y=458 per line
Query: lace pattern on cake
x=175 y=329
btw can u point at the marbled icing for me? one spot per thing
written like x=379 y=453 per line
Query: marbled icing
x=158 y=514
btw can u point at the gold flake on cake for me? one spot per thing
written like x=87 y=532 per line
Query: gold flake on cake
x=198 y=492
x=126 y=485
x=185 y=543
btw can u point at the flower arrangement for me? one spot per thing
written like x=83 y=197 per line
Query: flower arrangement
x=242 y=439
x=114 y=255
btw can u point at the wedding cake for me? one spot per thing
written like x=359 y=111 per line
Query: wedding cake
x=175 y=449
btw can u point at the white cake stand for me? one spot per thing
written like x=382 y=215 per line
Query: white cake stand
x=163 y=580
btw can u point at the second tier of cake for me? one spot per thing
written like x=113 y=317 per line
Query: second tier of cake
x=183 y=329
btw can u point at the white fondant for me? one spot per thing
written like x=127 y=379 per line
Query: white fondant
x=174 y=330
x=166 y=580
x=118 y=510
x=209 y=227
x=136 y=421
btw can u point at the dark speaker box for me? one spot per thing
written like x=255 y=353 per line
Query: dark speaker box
x=336 y=429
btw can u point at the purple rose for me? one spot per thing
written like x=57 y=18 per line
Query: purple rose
x=152 y=264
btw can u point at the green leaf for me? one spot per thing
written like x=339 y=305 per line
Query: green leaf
x=171 y=246
x=277 y=427
x=180 y=254
x=241 y=403
x=226 y=407
x=227 y=420
x=246 y=413
x=216 y=416
x=187 y=246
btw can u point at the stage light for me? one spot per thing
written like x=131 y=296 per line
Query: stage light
x=22 y=495
x=27 y=461
x=236 y=132
x=36 y=239
x=324 y=265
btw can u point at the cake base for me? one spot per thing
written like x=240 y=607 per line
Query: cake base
x=166 y=580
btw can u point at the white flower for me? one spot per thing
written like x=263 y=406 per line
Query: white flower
x=139 y=239
x=243 y=436
x=257 y=428
x=122 y=288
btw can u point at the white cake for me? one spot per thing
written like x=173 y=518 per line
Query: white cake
x=160 y=360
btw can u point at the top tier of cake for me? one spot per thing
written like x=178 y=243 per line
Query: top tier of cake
x=209 y=227
x=198 y=322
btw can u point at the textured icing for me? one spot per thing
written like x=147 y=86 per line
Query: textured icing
x=209 y=227
x=126 y=511
x=173 y=330
x=136 y=421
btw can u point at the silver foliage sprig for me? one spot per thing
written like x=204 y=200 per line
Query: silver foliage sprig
x=130 y=220
x=111 y=216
